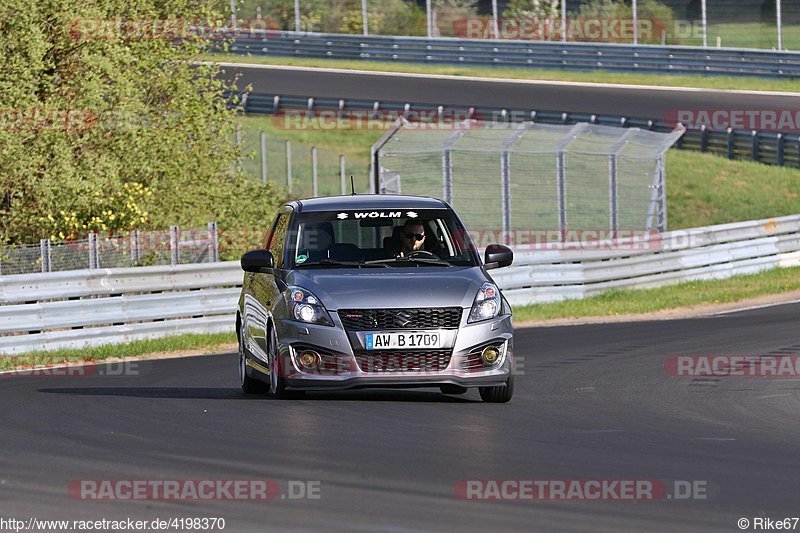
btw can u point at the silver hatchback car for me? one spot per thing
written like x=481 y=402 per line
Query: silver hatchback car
x=373 y=291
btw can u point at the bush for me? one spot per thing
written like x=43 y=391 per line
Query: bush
x=661 y=16
x=387 y=17
x=102 y=130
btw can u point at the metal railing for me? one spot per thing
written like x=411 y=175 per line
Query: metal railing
x=649 y=59
x=120 y=305
x=769 y=147
x=135 y=248
x=94 y=307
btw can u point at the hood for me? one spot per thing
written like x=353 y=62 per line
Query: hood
x=376 y=288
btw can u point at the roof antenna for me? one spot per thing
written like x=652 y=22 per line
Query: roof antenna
x=352 y=186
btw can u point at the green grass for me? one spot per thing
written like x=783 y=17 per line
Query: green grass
x=750 y=35
x=176 y=343
x=707 y=82
x=625 y=302
x=703 y=189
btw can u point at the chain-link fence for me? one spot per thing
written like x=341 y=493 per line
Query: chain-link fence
x=514 y=179
x=137 y=248
x=727 y=23
x=301 y=170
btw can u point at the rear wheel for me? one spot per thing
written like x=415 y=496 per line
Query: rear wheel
x=249 y=385
x=499 y=394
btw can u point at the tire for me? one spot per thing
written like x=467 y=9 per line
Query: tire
x=499 y=394
x=249 y=385
x=277 y=384
x=452 y=389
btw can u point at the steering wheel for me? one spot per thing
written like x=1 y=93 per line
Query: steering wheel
x=423 y=253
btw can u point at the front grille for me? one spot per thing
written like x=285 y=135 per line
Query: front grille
x=382 y=319
x=397 y=361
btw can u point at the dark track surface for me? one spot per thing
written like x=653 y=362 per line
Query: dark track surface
x=594 y=403
x=570 y=98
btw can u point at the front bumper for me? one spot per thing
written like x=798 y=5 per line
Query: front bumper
x=342 y=371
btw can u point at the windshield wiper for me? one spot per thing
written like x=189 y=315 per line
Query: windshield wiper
x=335 y=263
x=399 y=259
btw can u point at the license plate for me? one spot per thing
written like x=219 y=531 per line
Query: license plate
x=403 y=341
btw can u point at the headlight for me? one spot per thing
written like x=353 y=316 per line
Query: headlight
x=305 y=307
x=487 y=303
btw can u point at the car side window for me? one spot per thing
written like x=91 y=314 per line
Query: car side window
x=278 y=239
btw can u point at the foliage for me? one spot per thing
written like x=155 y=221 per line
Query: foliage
x=387 y=17
x=533 y=9
x=110 y=127
x=451 y=13
x=653 y=14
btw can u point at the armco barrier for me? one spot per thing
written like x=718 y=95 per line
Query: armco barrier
x=767 y=147
x=83 y=308
x=713 y=252
x=651 y=59
x=42 y=311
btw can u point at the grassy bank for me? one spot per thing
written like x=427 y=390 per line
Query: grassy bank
x=597 y=76
x=202 y=343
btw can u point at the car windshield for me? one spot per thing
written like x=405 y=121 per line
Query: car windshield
x=380 y=238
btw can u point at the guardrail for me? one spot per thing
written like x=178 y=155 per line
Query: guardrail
x=767 y=147
x=713 y=252
x=650 y=59
x=94 y=307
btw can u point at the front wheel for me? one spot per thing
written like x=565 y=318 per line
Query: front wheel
x=277 y=383
x=499 y=394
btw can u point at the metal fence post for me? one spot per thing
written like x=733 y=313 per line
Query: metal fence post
x=289 y=166
x=213 y=242
x=447 y=175
x=174 y=253
x=731 y=143
x=703 y=138
x=561 y=173
x=264 y=158
x=93 y=259
x=613 y=183
x=447 y=165
x=44 y=248
x=135 y=251
x=342 y=174
x=314 y=172
x=364 y=16
x=505 y=178
x=755 y=153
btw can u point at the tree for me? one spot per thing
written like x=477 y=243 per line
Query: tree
x=106 y=125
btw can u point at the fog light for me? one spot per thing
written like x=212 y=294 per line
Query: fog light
x=490 y=355
x=309 y=359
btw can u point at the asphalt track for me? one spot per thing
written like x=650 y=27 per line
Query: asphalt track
x=594 y=403
x=608 y=100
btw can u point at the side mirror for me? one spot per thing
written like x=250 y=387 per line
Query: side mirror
x=497 y=256
x=258 y=261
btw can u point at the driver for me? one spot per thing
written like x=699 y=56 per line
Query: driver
x=412 y=237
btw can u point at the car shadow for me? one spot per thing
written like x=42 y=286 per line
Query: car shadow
x=197 y=393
